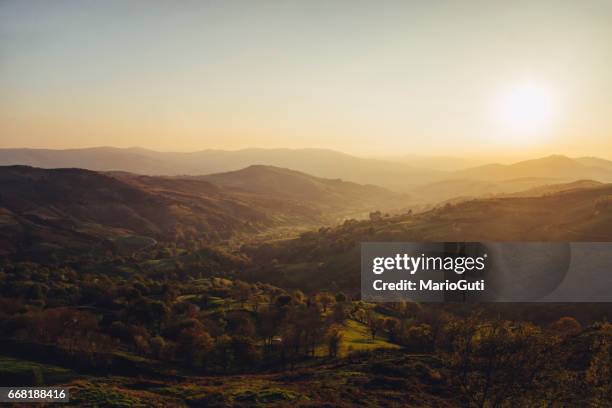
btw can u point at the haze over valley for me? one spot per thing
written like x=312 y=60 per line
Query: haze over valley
x=423 y=184
x=101 y=206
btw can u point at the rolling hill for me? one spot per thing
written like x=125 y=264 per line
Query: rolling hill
x=427 y=182
x=97 y=158
x=318 y=162
x=441 y=163
x=464 y=189
x=44 y=210
x=547 y=189
x=557 y=167
x=290 y=184
x=400 y=174
x=595 y=162
x=521 y=178
x=329 y=259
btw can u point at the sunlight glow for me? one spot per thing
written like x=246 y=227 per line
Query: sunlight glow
x=527 y=109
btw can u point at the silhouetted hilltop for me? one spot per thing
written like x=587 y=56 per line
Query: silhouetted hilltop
x=318 y=162
x=555 y=167
x=291 y=184
x=76 y=208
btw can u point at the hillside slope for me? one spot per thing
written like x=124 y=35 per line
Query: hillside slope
x=294 y=185
x=398 y=175
x=329 y=258
x=45 y=210
x=513 y=179
x=462 y=189
x=557 y=167
x=547 y=189
x=75 y=208
x=318 y=162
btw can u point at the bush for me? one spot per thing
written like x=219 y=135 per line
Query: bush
x=418 y=338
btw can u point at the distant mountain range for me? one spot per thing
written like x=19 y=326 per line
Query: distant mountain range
x=42 y=210
x=441 y=163
x=317 y=162
x=553 y=167
x=425 y=185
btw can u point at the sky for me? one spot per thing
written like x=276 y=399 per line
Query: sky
x=364 y=77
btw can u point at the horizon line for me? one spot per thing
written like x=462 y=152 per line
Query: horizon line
x=388 y=156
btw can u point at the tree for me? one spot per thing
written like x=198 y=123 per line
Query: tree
x=493 y=362
x=418 y=337
x=244 y=351
x=158 y=347
x=313 y=326
x=326 y=300
x=392 y=327
x=268 y=325
x=223 y=352
x=291 y=336
x=599 y=374
x=338 y=314
x=241 y=292
x=256 y=300
x=192 y=346
x=375 y=324
x=283 y=300
x=375 y=216
x=299 y=296
x=566 y=326
x=240 y=324
x=334 y=339
x=150 y=312
x=433 y=316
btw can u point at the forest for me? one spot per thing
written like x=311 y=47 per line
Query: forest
x=184 y=321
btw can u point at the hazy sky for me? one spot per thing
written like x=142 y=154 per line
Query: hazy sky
x=376 y=77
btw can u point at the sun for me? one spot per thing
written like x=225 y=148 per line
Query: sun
x=527 y=108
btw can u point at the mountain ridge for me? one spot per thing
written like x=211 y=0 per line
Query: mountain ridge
x=318 y=162
x=74 y=207
x=324 y=163
x=553 y=166
x=286 y=182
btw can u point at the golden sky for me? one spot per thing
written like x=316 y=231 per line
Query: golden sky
x=390 y=77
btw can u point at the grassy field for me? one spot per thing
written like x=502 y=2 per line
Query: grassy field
x=357 y=337
x=133 y=243
x=19 y=372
